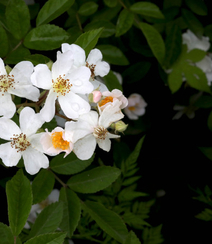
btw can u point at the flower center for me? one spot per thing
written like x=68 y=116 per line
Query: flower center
x=61 y=86
x=132 y=108
x=105 y=101
x=92 y=69
x=100 y=132
x=58 y=142
x=20 y=142
x=6 y=81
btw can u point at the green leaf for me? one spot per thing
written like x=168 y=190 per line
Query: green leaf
x=195 y=55
x=132 y=238
x=88 y=8
x=113 y=55
x=42 y=185
x=152 y=235
x=88 y=40
x=17 y=55
x=147 y=9
x=17 y=18
x=109 y=28
x=107 y=220
x=193 y=23
x=197 y=6
x=136 y=72
x=128 y=194
x=69 y=165
x=71 y=211
x=52 y=9
x=110 y=3
x=175 y=80
x=94 y=180
x=132 y=158
x=107 y=13
x=6 y=235
x=48 y=220
x=19 y=198
x=154 y=40
x=53 y=238
x=205 y=215
x=4 y=42
x=196 y=78
x=112 y=82
x=173 y=45
x=45 y=37
x=124 y=22
x=37 y=59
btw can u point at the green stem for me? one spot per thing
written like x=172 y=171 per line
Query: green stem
x=79 y=22
x=58 y=179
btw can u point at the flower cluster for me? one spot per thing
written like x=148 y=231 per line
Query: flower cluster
x=69 y=88
x=203 y=43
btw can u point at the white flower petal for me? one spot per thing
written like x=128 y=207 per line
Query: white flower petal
x=102 y=68
x=78 y=52
x=110 y=114
x=73 y=105
x=22 y=72
x=2 y=68
x=42 y=77
x=7 y=106
x=104 y=144
x=8 y=128
x=28 y=91
x=34 y=160
x=48 y=110
x=99 y=85
x=84 y=148
x=9 y=155
x=30 y=121
x=35 y=141
x=94 y=56
x=79 y=79
x=62 y=65
x=76 y=130
x=53 y=196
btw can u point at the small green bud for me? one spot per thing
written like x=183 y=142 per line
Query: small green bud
x=8 y=69
x=120 y=126
x=20 y=109
x=49 y=64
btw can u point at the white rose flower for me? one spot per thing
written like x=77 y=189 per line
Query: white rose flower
x=91 y=129
x=94 y=60
x=136 y=106
x=18 y=83
x=192 y=41
x=64 y=83
x=110 y=97
x=23 y=142
x=54 y=142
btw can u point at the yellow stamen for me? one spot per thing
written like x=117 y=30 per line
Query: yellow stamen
x=105 y=101
x=58 y=142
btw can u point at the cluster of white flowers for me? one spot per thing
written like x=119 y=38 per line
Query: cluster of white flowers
x=71 y=85
x=193 y=42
